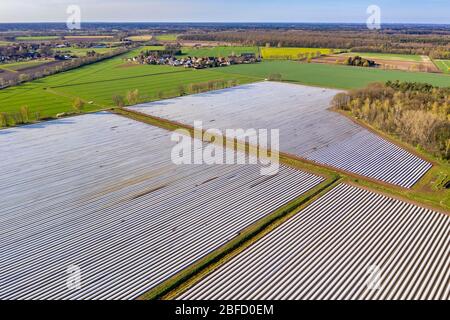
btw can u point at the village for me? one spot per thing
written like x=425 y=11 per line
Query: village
x=170 y=57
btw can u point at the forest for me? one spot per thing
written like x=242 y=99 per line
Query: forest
x=422 y=42
x=418 y=114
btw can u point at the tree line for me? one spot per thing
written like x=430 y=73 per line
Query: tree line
x=416 y=113
x=436 y=44
x=133 y=97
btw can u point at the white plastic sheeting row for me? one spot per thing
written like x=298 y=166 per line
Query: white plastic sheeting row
x=349 y=244
x=307 y=128
x=100 y=192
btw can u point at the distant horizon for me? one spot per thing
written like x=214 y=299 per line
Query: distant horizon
x=223 y=11
x=228 y=22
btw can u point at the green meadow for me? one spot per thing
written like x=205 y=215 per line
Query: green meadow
x=443 y=65
x=167 y=37
x=332 y=76
x=96 y=84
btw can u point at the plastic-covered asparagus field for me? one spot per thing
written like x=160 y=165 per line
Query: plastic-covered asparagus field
x=99 y=194
x=350 y=244
x=307 y=128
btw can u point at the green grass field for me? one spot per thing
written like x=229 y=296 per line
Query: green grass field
x=99 y=37
x=218 y=51
x=386 y=56
x=81 y=52
x=332 y=76
x=99 y=82
x=33 y=38
x=443 y=65
x=292 y=53
x=18 y=66
x=152 y=48
x=167 y=37
x=140 y=38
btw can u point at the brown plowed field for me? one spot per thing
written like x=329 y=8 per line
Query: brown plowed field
x=424 y=66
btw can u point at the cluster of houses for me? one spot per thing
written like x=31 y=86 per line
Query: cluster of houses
x=33 y=51
x=15 y=53
x=170 y=58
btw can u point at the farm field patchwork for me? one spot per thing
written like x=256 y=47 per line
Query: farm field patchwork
x=307 y=128
x=333 y=76
x=100 y=191
x=293 y=53
x=385 y=61
x=443 y=65
x=99 y=82
x=165 y=79
x=351 y=244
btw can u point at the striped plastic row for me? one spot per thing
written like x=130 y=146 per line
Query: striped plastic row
x=100 y=193
x=350 y=244
x=307 y=128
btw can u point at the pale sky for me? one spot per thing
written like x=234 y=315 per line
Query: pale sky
x=351 y=11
